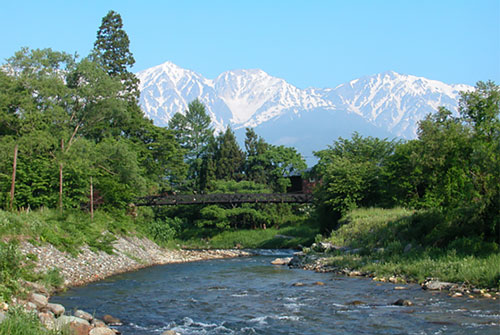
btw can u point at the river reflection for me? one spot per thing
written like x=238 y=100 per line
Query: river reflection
x=251 y=296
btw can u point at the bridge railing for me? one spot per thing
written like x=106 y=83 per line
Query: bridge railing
x=223 y=198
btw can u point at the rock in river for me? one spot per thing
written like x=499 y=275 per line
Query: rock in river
x=111 y=320
x=403 y=302
x=282 y=261
x=436 y=285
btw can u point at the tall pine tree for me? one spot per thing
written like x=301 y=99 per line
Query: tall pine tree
x=229 y=157
x=111 y=51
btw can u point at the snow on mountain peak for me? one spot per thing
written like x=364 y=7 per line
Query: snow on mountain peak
x=249 y=98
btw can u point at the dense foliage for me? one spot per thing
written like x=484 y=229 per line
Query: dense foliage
x=391 y=242
x=452 y=171
x=75 y=125
x=76 y=120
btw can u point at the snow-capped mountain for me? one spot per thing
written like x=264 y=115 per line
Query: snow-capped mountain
x=394 y=101
x=385 y=105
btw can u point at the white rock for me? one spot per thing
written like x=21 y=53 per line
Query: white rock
x=102 y=331
x=39 y=300
x=83 y=315
x=57 y=309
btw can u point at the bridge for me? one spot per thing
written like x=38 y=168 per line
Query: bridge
x=224 y=198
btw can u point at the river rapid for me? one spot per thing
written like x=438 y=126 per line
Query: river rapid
x=250 y=296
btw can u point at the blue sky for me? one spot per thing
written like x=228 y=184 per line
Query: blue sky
x=309 y=43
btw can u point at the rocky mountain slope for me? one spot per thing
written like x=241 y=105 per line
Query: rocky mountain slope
x=385 y=105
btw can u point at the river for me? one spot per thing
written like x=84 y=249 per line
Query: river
x=251 y=296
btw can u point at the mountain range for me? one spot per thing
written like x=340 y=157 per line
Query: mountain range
x=387 y=105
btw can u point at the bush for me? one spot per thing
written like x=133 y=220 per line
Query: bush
x=10 y=269
x=164 y=231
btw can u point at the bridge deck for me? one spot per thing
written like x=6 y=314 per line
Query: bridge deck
x=223 y=198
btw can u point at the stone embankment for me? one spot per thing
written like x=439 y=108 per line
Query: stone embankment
x=129 y=253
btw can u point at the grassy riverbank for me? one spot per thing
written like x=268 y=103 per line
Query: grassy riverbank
x=71 y=230
x=403 y=243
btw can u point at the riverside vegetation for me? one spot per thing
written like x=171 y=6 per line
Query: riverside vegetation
x=76 y=126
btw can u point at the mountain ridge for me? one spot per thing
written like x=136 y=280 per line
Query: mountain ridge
x=387 y=104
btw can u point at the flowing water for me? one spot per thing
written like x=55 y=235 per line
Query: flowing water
x=251 y=296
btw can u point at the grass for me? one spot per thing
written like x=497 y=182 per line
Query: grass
x=20 y=322
x=67 y=231
x=288 y=236
x=393 y=242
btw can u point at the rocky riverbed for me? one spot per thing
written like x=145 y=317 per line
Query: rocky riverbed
x=129 y=253
x=319 y=262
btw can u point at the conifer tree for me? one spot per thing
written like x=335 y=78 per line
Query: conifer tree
x=229 y=157
x=111 y=51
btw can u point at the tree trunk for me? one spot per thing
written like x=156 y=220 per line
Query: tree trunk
x=13 y=185
x=91 y=200
x=61 y=179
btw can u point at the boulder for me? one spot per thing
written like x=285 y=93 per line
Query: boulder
x=29 y=306
x=323 y=247
x=298 y=284
x=36 y=288
x=355 y=273
x=170 y=332
x=47 y=319
x=111 y=320
x=282 y=261
x=296 y=260
x=83 y=315
x=403 y=302
x=102 y=331
x=436 y=285
x=39 y=300
x=76 y=325
x=97 y=323
x=57 y=309
x=319 y=283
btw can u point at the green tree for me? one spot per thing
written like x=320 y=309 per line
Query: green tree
x=111 y=51
x=255 y=163
x=193 y=132
x=229 y=157
x=281 y=162
x=352 y=173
